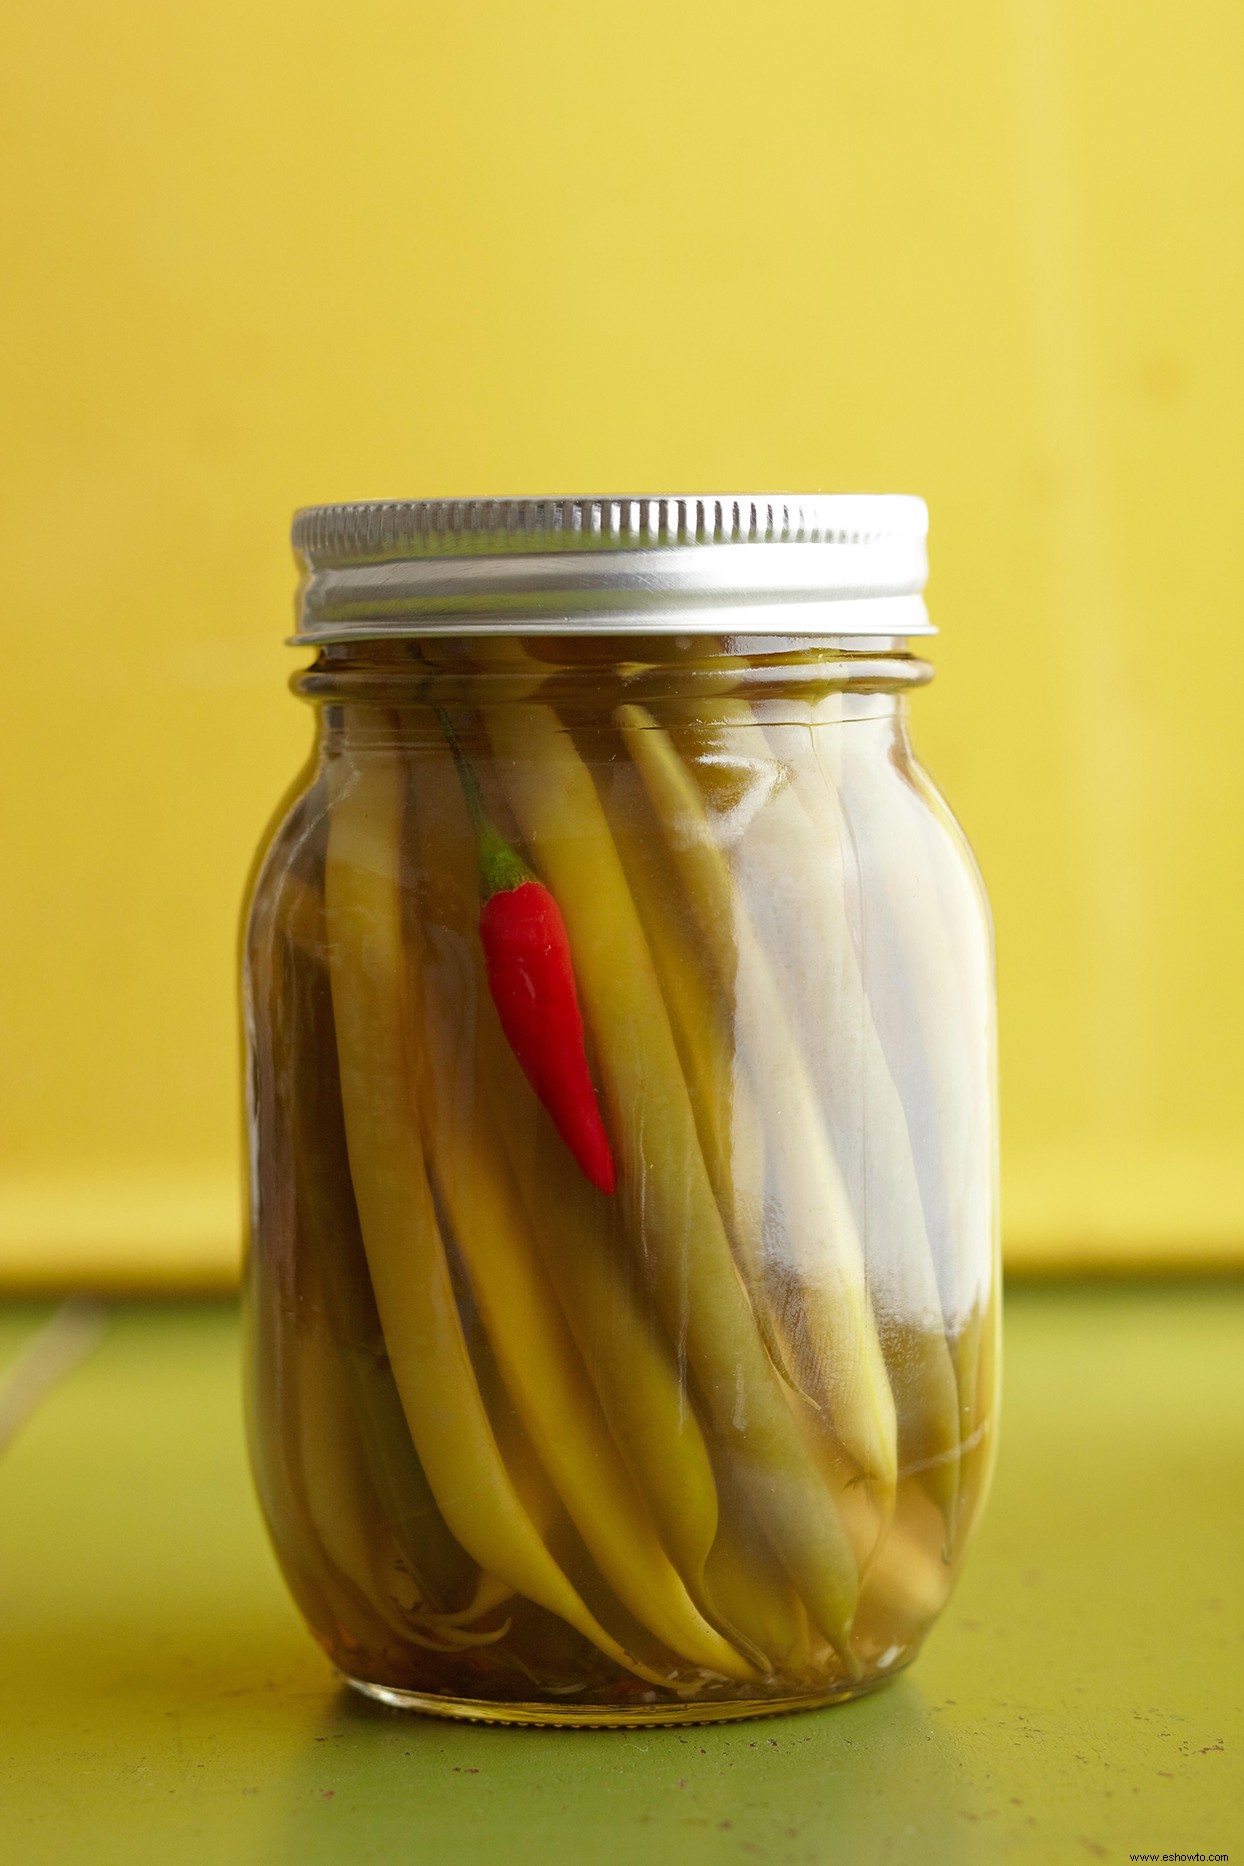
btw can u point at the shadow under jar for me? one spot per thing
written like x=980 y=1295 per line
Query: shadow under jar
x=622 y=1292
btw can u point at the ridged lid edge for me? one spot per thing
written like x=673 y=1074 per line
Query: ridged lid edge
x=375 y=530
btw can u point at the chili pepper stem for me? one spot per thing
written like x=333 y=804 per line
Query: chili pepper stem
x=501 y=867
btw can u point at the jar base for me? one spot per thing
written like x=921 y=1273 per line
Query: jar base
x=612 y=1717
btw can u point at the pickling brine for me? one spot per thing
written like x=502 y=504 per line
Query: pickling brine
x=622 y=1291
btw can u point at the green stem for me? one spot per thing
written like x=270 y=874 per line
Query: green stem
x=501 y=867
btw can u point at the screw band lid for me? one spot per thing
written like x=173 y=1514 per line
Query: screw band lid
x=755 y=563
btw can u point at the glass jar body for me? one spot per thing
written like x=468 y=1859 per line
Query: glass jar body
x=622 y=1290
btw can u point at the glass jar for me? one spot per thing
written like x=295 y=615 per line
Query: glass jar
x=622 y=1288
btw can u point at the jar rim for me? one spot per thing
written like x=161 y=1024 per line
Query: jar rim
x=826 y=564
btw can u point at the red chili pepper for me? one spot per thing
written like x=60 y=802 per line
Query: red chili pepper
x=531 y=978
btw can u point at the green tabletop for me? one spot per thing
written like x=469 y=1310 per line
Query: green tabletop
x=159 y=1699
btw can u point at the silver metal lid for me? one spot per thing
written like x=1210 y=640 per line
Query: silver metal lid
x=720 y=563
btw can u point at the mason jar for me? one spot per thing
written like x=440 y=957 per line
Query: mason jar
x=622 y=1287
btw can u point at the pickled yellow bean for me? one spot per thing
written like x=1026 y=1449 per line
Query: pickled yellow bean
x=726 y=1117
x=575 y=1227
x=334 y=1258
x=863 y=1107
x=410 y=1276
x=665 y=1183
x=790 y=859
x=925 y=969
x=818 y=1241
x=542 y=1370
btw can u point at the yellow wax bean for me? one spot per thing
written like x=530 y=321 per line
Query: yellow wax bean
x=926 y=969
x=927 y=1399
x=727 y=1119
x=863 y=1106
x=752 y=1590
x=789 y=858
x=410 y=1276
x=575 y=1226
x=677 y=1226
x=904 y=1589
x=329 y=1237
x=653 y=1422
x=740 y=1587
x=340 y=1501
x=336 y=1606
x=527 y=1332
x=274 y=1414
x=813 y=1237
x=272 y=1427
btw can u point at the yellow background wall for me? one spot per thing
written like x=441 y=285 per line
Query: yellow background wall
x=267 y=253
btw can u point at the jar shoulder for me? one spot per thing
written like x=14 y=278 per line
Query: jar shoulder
x=290 y=849
x=912 y=791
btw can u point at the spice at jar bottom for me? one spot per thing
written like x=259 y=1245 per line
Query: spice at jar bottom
x=622 y=1293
